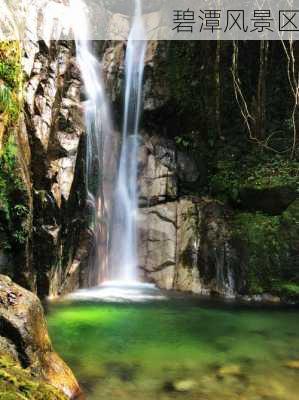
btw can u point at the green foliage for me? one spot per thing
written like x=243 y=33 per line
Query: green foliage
x=182 y=142
x=13 y=211
x=263 y=248
x=289 y=291
x=9 y=104
x=10 y=80
x=255 y=170
x=10 y=71
x=270 y=249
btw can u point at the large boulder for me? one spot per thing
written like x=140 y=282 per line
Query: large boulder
x=25 y=339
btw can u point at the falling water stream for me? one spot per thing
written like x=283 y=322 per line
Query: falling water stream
x=113 y=227
x=126 y=340
x=123 y=251
x=98 y=146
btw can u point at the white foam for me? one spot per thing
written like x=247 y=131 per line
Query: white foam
x=119 y=292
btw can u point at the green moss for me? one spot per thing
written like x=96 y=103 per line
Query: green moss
x=254 y=170
x=17 y=383
x=289 y=291
x=260 y=235
x=270 y=251
x=291 y=216
x=13 y=209
x=10 y=81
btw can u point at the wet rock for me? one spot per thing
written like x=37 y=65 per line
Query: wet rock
x=24 y=337
x=269 y=298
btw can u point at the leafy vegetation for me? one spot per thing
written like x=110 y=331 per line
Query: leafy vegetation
x=10 y=81
x=256 y=170
x=12 y=192
x=13 y=209
x=269 y=248
x=260 y=233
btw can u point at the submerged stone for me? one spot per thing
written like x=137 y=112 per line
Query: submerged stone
x=293 y=364
x=184 y=385
x=123 y=371
x=229 y=370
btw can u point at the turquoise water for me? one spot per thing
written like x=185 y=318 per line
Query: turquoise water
x=179 y=348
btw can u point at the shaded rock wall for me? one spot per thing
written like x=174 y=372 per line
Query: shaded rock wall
x=185 y=241
x=54 y=131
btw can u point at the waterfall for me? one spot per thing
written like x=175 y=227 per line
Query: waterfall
x=98 y=142
x=123 y=259
x=122 y=254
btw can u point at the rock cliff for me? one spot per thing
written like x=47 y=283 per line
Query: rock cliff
x=54 y=125
x=200 y=207
x=51 y=246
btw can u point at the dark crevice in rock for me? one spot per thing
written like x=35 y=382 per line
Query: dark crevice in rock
x=11 y=333
x=162 y=217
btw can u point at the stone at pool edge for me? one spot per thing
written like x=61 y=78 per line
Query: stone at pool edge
x=24 y=327
x=293 y=364
x=180 y=386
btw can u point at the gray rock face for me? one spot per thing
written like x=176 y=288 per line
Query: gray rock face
x=158 y=243
x=185 y=245
x=187 y=277
x=55 y=128
x=158 y=181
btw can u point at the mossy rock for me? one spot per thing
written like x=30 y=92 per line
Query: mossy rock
x=26 y=338
x=17 y=383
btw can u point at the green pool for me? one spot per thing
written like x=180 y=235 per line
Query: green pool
x=178 y=348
